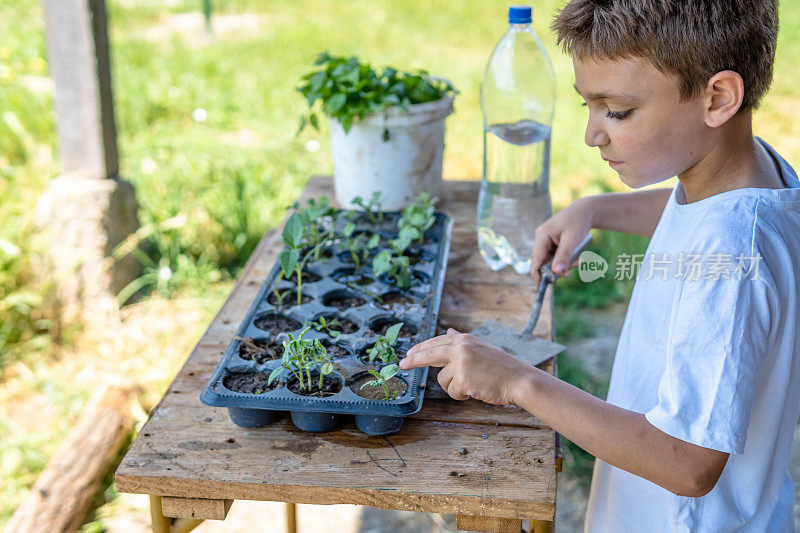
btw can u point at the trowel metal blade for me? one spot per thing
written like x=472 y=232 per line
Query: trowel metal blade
x=531 y=350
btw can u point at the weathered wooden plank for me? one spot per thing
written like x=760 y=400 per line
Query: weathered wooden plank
x=202 y=508
x=506 y=471
x=488 y=524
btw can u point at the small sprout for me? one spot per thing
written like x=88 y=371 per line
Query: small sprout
x=323 y=324
x=383 y=348
x=419 y=214
x=393 y=265
x=381 y=379
x=372 y=208
x=257 y=391
x=281 y=295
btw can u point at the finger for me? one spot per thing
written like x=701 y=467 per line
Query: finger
x=452 y=331
x=445 y=378
x=542 y=251
x=431 y=343
x=437 y=356
x=561 y=259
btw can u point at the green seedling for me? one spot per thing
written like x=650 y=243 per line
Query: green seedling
x=386 y=373
x=395 y=265
x=324 y=324
x=419 y=214
x=373 y=208
x=298 y=251
x=358 y=245
x=281 y=295
x=300 y=356
x=317 y=221
x=383 y=349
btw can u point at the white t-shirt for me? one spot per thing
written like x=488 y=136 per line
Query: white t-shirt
x=713 y=362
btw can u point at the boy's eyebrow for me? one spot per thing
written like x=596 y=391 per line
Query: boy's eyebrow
x=605 y=95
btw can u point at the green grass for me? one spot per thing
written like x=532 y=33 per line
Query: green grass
x=232 y=175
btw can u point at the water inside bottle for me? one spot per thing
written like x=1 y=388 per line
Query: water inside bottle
x=514 y=198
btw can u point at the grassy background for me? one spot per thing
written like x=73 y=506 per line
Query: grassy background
x=232 y=175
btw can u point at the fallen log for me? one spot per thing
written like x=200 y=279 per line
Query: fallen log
x=63 y=493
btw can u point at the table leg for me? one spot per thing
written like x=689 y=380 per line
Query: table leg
x=542 y=526
x=291 y=518
x=159 y=522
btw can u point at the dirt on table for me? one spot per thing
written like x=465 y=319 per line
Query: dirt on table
x=275 y=323
x=378 y=393
x=330 y=386
x=248 y=382
x=259 y=350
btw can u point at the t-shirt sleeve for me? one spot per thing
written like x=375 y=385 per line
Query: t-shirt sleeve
x=717 y=345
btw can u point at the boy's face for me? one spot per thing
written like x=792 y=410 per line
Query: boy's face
x=637 y=120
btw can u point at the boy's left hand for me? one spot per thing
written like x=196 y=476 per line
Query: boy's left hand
x=473 y=368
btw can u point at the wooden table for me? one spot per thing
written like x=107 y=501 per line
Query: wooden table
x=194 y=461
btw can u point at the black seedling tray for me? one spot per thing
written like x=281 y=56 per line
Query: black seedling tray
x=310 y=413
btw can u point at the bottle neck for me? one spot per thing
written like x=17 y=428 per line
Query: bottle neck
x=519 y=27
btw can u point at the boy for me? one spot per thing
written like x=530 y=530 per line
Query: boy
x=705 y=387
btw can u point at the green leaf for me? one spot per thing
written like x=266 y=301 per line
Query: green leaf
x=312 y=119
x=392 y=332
x=326 y=368
x=293 y=231
x=389 y=371
x=274 y=374
x=348 y=229
x=289 y=259
x=374 y=240
x=335 y=103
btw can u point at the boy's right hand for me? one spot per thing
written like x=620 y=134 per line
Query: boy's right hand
x=559 y=236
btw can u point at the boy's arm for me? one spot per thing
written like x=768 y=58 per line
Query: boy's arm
x=557 y=237
x=635 y=212
x=623 y=438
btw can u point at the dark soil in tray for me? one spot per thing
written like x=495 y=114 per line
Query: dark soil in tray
x=398 y=302
x=336 y=351
x=324 y=254
x=276 y=323
x=343 y=301
x=259 y=350
x=330 y=386
x=349 y=275
x=308 y=277
x=380 y=326
x=289 y=300
x=378 y=393
x=417 y=257
x=248 y=382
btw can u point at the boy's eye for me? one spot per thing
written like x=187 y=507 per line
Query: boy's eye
x=620 y=115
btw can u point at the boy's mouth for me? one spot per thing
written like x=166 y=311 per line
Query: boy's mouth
x=613 y=164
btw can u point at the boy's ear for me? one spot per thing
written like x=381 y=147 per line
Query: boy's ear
x=723 y=97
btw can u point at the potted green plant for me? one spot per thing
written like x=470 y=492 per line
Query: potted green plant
x=387 y=128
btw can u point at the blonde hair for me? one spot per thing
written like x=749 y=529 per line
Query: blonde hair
x=692 y=39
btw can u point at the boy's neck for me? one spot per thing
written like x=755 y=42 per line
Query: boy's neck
x=734 y=161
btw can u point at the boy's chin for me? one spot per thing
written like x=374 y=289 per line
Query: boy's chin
x=638 y=181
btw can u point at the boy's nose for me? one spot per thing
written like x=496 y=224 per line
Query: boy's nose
x=595 y=136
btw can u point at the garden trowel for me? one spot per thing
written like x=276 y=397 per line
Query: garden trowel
x=523 y=345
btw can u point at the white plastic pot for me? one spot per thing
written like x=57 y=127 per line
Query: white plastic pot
x=407 y=162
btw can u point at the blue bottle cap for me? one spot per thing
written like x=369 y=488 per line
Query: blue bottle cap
x=519 y=15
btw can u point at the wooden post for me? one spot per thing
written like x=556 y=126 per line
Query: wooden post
x=88 y=210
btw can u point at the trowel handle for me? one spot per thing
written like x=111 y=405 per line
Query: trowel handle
x=551 y=276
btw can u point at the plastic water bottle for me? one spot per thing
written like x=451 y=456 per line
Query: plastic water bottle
x=518 y=100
